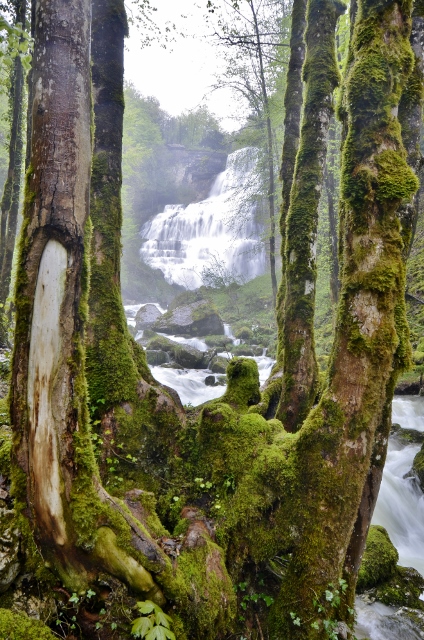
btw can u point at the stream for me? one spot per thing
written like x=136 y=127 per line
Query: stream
x=400 y=505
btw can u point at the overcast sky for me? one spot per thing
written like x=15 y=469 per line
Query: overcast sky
x=181 y=75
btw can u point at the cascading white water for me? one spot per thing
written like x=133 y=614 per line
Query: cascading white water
x=400 y=505
x=400 y=509
x=221 y=230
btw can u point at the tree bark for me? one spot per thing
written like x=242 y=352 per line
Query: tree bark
x=336 y=442
x=330 y=187
x=293 y=100
x=12 y=187
x=122 y=391
x=300 y=374
x=77 y=527
x=269 y=154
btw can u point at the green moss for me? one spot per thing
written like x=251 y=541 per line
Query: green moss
x=17 y=626
x=379 y=559
x=204 y=570
x=396 y=180
x=243 y=384
x=5 y=449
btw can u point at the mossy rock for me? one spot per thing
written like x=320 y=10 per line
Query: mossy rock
x=418 y=357
x=403 y=589
x=219 y=365
x=244 y=333
x=186 y=356
x=16 y=626
x=219 y=342
x=418 y=467
x=407 y=436
x=379 y=560
x=197 y=319
x=156 y=357
x=243 y=350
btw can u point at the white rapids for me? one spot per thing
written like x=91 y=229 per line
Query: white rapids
x=400 y=509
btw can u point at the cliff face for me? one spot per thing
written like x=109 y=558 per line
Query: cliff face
x=194 y=171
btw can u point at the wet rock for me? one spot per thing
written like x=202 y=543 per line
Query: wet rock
x=185 y=356
x=156 y=357
x=408 y=388
x=210 y=381
x=198 y=318
x=218 y=365
x=407 y=436
x=146 y=316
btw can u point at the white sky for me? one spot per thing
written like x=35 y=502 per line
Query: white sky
x=181 y=75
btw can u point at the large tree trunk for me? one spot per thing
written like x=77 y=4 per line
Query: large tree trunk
x=410 y=117
x=336 y=442
x=300 y=374
x=78 y=528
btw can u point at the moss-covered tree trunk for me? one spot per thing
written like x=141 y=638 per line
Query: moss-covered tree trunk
x=336 y=442
x=330 y=187
x=124 y=396
x=321 y=76
x=12 y=187
x=78 y=528
x=293 y=99
x=410 y=117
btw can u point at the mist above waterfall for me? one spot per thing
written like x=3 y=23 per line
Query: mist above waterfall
x=222 y=232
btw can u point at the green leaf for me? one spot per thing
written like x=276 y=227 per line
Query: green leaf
x=169 y=634
x=157 y=633
x=329 y=596
x=146 y=607
x=163 y=619
x=315 y=625
x=141 y=627
x=90 y=593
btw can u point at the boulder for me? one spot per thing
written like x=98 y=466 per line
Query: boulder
x=156 y=357
x=198 y=318
x=210 y=381
x=185 y=356
x=146 y=316
x=218 y=365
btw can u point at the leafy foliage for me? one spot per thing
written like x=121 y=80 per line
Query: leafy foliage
x=153 y=624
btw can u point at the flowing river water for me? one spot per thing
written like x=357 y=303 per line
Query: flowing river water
x=400 y=506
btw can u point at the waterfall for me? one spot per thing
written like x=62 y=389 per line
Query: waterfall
x=220 y=232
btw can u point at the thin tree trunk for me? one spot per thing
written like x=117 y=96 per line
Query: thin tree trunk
x=330 y=187
x=293 y=99
x=269 y=153
x=300 y=373
x=12 y=188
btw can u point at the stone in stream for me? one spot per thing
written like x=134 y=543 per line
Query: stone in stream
x=210 y=381
x=146 y=316
x=218 y=365
x=156 y=357
x=185 y=356
x=197 y=319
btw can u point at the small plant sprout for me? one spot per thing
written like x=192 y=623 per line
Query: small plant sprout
x=153 y=624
